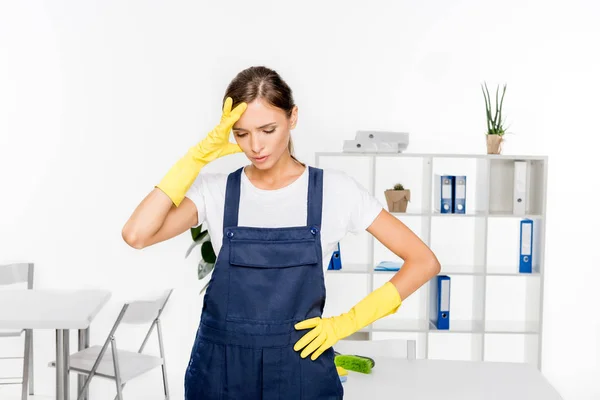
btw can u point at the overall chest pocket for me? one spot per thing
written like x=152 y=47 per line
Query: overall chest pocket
x=273 y=281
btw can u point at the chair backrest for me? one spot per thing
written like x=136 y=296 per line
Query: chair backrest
x=16 y=273
x=137 y=312
x=395 y=348
x=147 y=309
x=142 y=311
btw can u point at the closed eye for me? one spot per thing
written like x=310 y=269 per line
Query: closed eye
x=235 y=131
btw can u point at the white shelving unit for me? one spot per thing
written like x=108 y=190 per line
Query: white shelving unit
x=495 y=311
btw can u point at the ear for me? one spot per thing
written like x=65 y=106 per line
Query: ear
x=294 y=117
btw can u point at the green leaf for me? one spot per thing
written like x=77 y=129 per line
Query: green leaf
x=488 y=106
x=203 y=237
x=501 y=102
x=196 y=232
x=208 y=253
x=496 y=114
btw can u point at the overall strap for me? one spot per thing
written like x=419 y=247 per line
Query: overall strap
x=232 y=199
x=315 y=197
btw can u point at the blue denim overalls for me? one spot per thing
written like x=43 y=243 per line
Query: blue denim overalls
x=265 y=281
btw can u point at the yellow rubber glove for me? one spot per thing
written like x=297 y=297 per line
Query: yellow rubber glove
x=216 y=144
x=327 y=331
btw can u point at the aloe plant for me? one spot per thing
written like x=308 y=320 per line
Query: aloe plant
x=495 y=123
x=207 y=262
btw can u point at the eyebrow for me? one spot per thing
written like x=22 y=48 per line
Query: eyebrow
x=260 y=127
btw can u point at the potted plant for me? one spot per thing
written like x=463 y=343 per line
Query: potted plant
x=495 y=124
x=397 y=198
x=208 y=258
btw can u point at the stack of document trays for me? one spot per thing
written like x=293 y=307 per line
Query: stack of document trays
x=377 y=142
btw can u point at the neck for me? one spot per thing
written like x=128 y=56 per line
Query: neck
x=279 y=173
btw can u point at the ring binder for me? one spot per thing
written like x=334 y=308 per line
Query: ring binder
x=440 y=302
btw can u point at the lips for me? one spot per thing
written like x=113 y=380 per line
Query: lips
x=260 y=159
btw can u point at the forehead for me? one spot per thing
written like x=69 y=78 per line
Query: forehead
x=259 y=113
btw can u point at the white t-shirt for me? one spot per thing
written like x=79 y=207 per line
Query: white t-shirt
x=347 y=206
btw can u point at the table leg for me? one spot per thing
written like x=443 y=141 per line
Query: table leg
x=26 y=364
x=60 y=365
x=66 y=372
x=84 y=343
x=31 y=376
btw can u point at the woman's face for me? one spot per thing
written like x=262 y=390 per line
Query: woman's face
x=263 y=133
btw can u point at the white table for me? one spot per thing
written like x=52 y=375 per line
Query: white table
x=60 y=310
x=448 y=380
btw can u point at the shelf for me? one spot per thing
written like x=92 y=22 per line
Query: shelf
x=411 y=213
x=446 y=270
x=478 y=270
x=508 y=271
x=479 y=214
x=502 y=186
x=351 y=269
x=462 y=326
x=461 y=270
x=433 y=155
x=420 y=325
x=399 y=325
x=457 y=270
x=507 y=214
x=520 y=327
x=479 y=250
x=476 y=214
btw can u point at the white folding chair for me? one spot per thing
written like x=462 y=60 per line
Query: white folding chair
x=395 y=348
x=121 y=365
x=11 y=274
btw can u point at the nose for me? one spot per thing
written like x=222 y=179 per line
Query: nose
x=255 y=143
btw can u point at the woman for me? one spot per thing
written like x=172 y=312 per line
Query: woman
x=274 y=225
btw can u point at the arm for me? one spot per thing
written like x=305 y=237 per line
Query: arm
x=420 y=265
x=157 y=219
x=165 y=212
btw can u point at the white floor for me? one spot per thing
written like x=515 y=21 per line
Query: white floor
x=99 y=393
x=17 y=396
x=145 y=387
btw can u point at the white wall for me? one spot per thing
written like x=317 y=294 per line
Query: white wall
x=99 y=99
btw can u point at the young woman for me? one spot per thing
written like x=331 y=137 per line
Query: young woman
x=274 y=225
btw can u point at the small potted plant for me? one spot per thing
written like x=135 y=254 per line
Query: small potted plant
x=397 y=198
x=495 y=124
x=208 y=258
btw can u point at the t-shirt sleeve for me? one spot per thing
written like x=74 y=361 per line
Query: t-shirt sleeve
x=195 y=194
x=363 y=206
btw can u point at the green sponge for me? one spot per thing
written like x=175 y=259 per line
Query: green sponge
x=354 y=363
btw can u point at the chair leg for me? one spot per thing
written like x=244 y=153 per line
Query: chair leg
x=164 y=362
x=165 y=385
x=117 y=370
x=31 y=362
x=26 y=364
x=117 y=395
